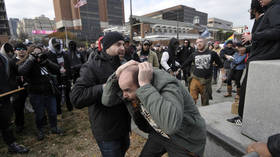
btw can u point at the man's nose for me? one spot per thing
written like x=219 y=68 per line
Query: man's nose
x=125 y=95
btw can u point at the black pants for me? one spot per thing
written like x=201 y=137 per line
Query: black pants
x=67 y=99
x=157 y=145
x=6 y=112
x=242 y=93
x=19 y=104
x=236 y=75
x=215 y=73
x=186 y=75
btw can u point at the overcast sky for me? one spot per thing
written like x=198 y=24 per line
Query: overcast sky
x=231 y=10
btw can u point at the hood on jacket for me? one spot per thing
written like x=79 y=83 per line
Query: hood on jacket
x=5 y=57
x=172 y=48
x=72 y=45
x=7 y=50
x=55 y=45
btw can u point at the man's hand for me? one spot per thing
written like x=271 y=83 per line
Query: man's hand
x=246 y=37
x=260 y=148
x=177 y=72
x=145 y=73
x=122 y=67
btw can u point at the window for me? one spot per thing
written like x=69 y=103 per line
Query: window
x=196 y=20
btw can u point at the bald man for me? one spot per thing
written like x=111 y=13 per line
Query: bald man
x=160 y=106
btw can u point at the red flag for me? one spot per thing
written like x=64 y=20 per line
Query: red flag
x=80 y=3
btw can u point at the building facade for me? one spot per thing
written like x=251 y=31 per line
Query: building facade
x=180 y=13
x=239 y=29
x=219 y=24
x=158 y=30
x=35 y=28
x=4 y=23
x=220 y=29
x=13 y=23
x=89 y=20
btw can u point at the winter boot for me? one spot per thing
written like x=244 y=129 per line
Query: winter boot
x=229 y=90
x=237 y=94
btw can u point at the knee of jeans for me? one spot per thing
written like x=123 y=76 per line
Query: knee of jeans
x=113 y=147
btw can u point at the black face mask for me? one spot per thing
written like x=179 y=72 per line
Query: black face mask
x=10 y=54
x=57 y=47
x=72 y=47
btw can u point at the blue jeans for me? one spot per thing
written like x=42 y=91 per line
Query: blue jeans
x=40 y=103
x=116 y=148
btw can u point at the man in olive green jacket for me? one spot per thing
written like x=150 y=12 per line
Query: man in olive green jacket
x=167 y=111
x=146 y=54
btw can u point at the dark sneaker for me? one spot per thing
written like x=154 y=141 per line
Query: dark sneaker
x=15 y=148
x=57 y=131
x=218 y=91
x=234 y=120
x=40 y=136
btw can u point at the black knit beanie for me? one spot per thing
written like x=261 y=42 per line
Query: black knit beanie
x=20 y=46
x=110 y=39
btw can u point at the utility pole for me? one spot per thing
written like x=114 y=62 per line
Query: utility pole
x=177 y=25
x=130 y=22
x=66 y=36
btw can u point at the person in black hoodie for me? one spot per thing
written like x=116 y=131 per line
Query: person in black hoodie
x=168 y=59
x=76 y=60
x=226 y=55
x=269 y=149
x=110 y=126
x=6 y=109
x=57 y=56
x=38 y=71
x=182 y=56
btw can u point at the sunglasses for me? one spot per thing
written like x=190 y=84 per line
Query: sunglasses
x=20 y=49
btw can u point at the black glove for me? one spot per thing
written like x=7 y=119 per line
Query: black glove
x=44 y=62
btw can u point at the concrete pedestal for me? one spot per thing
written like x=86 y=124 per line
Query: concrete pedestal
x=262 y=102
x=223 y=138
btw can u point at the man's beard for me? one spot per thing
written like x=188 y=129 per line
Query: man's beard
x=134 y=102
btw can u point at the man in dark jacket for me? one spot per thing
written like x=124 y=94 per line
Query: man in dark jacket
x=76 y=60
x=203 y=60
x=257 y=13
x=182 y=56
x=20 y=97
x=6 y=109
x=57 y=56
x=269 y=149
x=38 y=70
x=130 y=51
x=164 y=106
x=226 y=55
x=110 y=126
x=266 y=38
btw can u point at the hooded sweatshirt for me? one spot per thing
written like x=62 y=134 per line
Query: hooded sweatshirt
x=168 y=59
x=4 y=73
x=10 y=68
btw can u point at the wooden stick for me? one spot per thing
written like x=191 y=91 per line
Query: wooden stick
x=11 y=92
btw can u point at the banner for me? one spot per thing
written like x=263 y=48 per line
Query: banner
x=44 y=32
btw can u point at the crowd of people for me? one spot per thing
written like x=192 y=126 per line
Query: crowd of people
x=119 y=80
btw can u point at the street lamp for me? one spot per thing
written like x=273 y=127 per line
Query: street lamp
x=130 y=21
